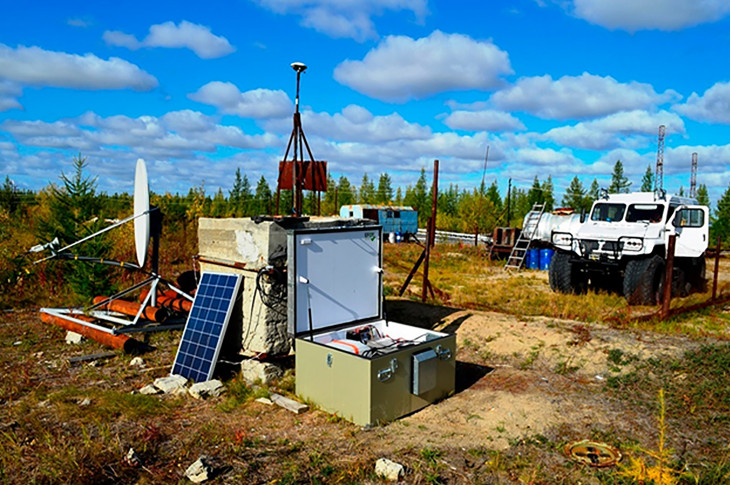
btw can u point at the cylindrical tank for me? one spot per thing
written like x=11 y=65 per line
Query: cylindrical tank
x=533 y=259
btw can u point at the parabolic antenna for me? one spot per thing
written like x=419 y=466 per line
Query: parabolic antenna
x=141 y=212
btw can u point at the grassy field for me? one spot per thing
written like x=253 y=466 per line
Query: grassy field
x=535 y=370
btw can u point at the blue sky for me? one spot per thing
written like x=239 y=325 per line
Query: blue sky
x=199 y=89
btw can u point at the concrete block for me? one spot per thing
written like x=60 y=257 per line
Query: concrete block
x=265 y=372
x=202 y=390
x=170 y=384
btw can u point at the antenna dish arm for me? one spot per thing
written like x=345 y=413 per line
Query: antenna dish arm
x=91 y=236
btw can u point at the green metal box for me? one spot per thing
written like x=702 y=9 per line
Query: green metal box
x=349 y=359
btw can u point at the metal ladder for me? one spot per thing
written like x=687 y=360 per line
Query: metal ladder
x=519 y=250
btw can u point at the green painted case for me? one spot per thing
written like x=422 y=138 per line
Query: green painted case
x=331 y=278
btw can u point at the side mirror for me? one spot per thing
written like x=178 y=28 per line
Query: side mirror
x=582 y=216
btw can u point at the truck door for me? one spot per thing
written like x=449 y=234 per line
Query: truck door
x=691 y=225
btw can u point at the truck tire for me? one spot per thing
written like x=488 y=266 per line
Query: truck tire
x=644 y=281
x=564 y=276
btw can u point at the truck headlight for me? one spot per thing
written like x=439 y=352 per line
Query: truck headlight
x=633 y=244
x=562 y=239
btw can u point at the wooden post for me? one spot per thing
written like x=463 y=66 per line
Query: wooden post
x=717 y=267
x=431 y=229
x=668 y=276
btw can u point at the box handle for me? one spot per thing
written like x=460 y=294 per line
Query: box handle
x=387 y=373
x=443 y=353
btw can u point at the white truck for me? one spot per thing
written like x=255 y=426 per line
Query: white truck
x=624 y=240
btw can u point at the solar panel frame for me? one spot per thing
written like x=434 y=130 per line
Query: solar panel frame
x=200 y=345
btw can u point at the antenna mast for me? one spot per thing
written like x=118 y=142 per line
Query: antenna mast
x=297 y=175
x=659 y=178
x=693 y=177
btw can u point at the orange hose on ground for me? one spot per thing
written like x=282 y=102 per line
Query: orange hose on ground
x=130 y=308
x=128 y=344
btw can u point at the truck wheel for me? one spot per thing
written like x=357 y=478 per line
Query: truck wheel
x=644 y=281
x=697 y=277
x=564 y=276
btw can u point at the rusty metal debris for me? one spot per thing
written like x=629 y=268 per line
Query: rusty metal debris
x=593 y=453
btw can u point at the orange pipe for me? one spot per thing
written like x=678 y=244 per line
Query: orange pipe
x=130 y=308
x=128 y=344
x=170 y=300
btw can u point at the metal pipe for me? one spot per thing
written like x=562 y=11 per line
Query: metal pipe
x=717 y=267
x=151 y=313
x=81 y=324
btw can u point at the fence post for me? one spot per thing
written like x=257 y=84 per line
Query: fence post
x=669 y=270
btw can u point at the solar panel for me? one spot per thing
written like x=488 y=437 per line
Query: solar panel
x=203 y=335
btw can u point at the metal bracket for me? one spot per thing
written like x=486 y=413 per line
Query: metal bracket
x=443 y=353
x=387 y=373
x=329 y=360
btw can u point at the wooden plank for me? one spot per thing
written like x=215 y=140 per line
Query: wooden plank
x=289 y=404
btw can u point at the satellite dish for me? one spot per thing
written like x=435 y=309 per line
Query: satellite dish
x=141 y=212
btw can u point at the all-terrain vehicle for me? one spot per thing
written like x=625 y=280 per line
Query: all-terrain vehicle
x=625 y=238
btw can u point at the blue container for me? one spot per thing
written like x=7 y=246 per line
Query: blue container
x=546 y=255
x=533 y=259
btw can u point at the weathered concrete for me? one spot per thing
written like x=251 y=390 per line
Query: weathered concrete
x=265 y=372
x=170 y=384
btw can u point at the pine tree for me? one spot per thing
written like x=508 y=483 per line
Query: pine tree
x=329 y=204
x=647 y=181
x=398 y=196
x=367 y=190
x=703 y=197
x=262 y=198
x=721 y=223
x=494 y=197
x=9 y=197
x=219 y=206
x=619 y=183
x=681 y=191
x=575 y=195
x=535 y=194
x=346 y=192
x=385 y=189
x=417 y=197
x=74 y=213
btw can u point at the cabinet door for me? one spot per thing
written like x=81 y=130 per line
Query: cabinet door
x=691 y=225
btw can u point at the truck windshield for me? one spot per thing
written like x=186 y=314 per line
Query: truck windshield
x=608 y=212
x=645 y=213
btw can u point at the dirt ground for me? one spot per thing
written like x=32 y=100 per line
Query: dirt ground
x=526 y=386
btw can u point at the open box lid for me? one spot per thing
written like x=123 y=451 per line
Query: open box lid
x=334 y=277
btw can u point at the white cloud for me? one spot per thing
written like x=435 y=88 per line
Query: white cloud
x=9 y=92
x=486 y=120
x=257 y=103
x=401 y=68
x=713 y=106
x=39 y=67
x=197 y=38
x=78 y=22
x=576 y=97
x=357 y=124
x=344 y=19
x=174 y=135
x=625 y=129
x=632 y=15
